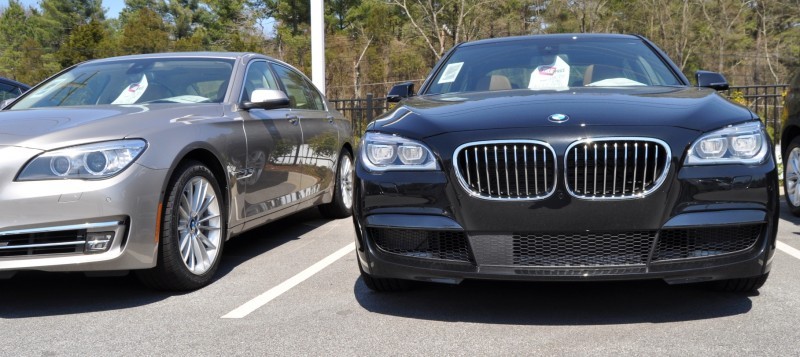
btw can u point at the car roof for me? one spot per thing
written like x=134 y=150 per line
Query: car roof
x=562 y=36
x=14 y=83
x=165 y=55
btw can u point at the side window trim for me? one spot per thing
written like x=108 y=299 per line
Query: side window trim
x=267 y=67
x=306 y=82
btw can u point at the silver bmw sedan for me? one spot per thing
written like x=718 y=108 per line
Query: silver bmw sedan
x=151 y=162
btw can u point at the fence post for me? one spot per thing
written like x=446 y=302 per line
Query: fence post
x=370 y=108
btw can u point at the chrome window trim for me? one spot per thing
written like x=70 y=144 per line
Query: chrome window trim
x=466 y=188
x=656 y=186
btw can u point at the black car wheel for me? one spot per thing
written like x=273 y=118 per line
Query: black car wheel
x=791 y=172
x=193 y=231
x=342 y=204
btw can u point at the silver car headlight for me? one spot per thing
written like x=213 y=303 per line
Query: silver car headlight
x=90 y=161
x=384 y=152
x=737 y=144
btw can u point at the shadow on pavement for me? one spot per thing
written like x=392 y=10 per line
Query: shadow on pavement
x=537 y=303
x=32 y=294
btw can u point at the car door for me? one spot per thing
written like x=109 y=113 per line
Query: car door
x=320 y=135
x=272 y=172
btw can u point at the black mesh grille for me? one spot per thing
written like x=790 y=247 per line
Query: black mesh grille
x=705 y=242
x=508 y=170
x=615 y=168
x=446 y=245
x=590 y=249
x=19 y=244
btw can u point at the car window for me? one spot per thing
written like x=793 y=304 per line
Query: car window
x=135 y=81
x=259 y=76
x=555 y=64
x=8 y=91
x=302 y=94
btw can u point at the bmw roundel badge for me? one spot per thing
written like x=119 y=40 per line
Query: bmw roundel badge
x=558 y=118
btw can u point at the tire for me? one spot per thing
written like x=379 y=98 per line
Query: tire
x=741 y=285
x=193 y=231
x=383 y=285
x=342 y=204
x=791 y=172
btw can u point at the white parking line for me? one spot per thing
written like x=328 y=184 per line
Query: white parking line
x=788 y=249
x=283 y=287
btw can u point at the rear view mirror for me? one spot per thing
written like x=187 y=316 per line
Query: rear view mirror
x=400 y=91
x=711 y=80
x=266 y=99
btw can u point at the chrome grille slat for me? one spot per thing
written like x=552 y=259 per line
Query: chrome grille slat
x=516 y=170
x=504 y=171
x=633 y=168
x=525 y=155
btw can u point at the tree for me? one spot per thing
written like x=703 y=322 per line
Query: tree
x=84 y=43
x=144 y=33
x=61 y=17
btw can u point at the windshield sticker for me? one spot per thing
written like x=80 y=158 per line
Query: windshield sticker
x=188 y=98
x=132 y=93
x=450 y=73
x=616 y=82
x=550 y=77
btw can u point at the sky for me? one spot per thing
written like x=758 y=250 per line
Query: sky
x=113 y=7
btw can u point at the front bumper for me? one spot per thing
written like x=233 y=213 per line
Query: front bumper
x=704 y=223
x=77 y=225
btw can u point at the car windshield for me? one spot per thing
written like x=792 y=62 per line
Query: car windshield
x=552 y=64
x=135 y=81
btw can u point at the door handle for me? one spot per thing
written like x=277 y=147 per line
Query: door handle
x=330 y=119
x=294 y=119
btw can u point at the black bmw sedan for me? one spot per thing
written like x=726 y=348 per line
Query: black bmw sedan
x=570 y=158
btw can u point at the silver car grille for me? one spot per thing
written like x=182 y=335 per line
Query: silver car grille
x=595 y=169
x=507 y=170
x=615 y=168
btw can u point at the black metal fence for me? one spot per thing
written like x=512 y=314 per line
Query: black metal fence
x=361 y=111
x=764 y=100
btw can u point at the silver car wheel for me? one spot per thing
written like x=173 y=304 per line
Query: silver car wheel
x=792 y=174
x=199 y=225
x=346 y=181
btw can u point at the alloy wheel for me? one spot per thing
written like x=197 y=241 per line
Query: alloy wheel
x=346 y=181
x=199 y=225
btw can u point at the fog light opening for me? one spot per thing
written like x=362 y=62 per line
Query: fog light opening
x=98 y=242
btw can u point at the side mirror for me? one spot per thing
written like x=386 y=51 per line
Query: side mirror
x=266 y=99
x=711 y=80
x=400 y=92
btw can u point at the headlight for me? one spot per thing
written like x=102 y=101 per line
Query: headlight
x=736 y=144
x=91 y=161
x=384 y=152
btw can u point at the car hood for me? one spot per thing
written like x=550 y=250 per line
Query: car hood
x=685 y=107
x=49 y=128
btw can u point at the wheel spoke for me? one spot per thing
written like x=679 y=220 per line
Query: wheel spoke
x=199 y=194
x=209 y=228
x=206 y=242
x=198 y=252
x=206 y=219
x=201 y=253
x=184 y=215
x=184 y=246
x=201 y=212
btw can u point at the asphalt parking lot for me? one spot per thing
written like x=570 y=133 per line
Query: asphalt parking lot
x=292 y=288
